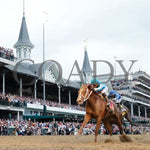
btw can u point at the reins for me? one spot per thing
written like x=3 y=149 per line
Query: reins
x=87 y=95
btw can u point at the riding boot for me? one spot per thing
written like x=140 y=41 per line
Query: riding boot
x=107 y=102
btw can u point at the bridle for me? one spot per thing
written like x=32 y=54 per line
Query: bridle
x=86 y=96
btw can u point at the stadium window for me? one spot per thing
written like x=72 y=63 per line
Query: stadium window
x=25 y=54
x=19 y=54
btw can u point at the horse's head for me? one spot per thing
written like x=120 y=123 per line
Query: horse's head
x=84 y=93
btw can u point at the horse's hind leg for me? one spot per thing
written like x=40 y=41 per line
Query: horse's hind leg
x=86 y=120
x=123 y=122
x=128 y=117
x=123 y=137
x=109 y=127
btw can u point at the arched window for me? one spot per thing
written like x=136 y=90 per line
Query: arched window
x=19 y=54
x=25 y=54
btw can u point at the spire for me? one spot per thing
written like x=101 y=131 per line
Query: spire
x=86 y=68
x=23 y=39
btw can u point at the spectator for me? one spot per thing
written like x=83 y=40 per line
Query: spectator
x=7 y=53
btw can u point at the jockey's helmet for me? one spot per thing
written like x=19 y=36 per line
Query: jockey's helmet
x=94 y=81
x=112 y=92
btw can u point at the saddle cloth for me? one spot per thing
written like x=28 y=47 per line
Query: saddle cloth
x=111 y=105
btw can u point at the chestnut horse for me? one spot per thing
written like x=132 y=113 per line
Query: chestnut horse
x=96 y=108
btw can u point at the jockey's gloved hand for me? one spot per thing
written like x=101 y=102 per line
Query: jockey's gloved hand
x=93 y=90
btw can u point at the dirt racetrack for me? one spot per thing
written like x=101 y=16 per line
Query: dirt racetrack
x=140 y=142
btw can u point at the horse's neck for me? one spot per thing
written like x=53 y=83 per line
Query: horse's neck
x=93 y=100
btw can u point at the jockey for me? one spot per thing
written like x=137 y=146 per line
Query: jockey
x=102 y=89
x=115 y=96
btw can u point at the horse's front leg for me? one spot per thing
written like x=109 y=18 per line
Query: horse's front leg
x=87 y=118
x=97 y=128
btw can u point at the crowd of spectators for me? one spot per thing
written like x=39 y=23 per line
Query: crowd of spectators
x=27 y=127
x=121 y=88
x=117 y=82
x=118 y=86
x=140 y=129
x=7 y=53
x=15 y=100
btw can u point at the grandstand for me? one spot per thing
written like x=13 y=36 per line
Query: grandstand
x=21 y=88
x=135 y=94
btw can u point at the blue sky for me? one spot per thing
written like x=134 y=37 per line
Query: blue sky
x=118 y=28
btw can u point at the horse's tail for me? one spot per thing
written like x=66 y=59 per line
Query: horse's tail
x=128 y=116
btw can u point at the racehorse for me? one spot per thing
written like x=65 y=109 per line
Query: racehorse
x=96 y=108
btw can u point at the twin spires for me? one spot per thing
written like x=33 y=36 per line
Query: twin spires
x=23 y=45
x=23 y=49
x=23 y=39
x=86 y=68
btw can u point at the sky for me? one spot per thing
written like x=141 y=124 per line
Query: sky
x=113 y=28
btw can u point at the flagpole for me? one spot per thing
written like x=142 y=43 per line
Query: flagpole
x=44 y=90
